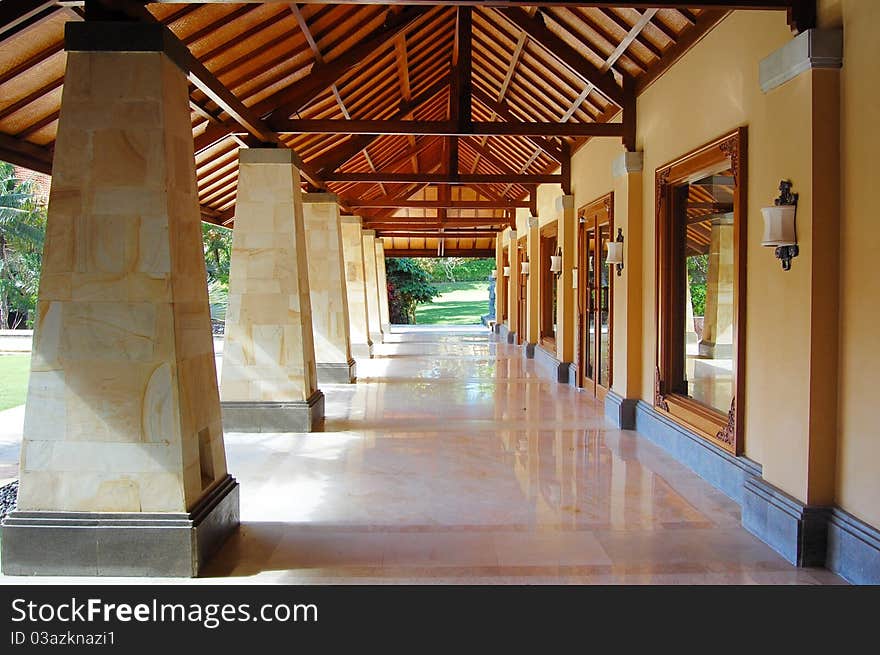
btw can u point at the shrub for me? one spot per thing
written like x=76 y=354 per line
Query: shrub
x=408 y=285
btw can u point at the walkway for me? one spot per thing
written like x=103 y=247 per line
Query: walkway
x=451 y=461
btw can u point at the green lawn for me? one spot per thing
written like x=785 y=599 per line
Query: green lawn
x=460 y=303
x=14 y=370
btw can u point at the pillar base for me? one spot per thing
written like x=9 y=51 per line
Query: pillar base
x=621 y=411
x=120 y=544
x=362 y=350
x=377 y=337
x=529 y=350
x=794 y=530
x=337 y=372
x=261 y=416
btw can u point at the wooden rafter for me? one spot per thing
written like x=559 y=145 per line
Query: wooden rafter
x=443 y=128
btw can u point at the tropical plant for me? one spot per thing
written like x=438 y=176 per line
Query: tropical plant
x=458 y=269
x=22 y=232
x=408 y=285
x=218 y=251
x=698 y=270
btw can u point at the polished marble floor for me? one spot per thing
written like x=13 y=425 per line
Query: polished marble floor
x=452 y=461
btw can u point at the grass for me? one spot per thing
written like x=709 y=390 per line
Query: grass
x=459 y=303
x=14 y=371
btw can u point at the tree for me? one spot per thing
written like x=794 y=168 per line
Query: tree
x=22 y=232
x=408 y=285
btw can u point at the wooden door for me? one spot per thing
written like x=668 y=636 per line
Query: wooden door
x=595 y=284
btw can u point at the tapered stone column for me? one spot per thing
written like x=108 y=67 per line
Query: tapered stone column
x=382 y=285
x=717 y=341
x=372 y=281
x=329 y=300
x=355 y=287
x=123 y=469
x=269 y=380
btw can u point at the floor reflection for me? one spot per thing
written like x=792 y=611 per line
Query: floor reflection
x=453 y=461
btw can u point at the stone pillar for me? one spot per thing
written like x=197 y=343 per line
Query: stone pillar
x=353 y=255
x=533 y=288
x=372 y=282
x=566 y=301
x=626 y=325
x=123 y=469
x=268 y=380
x=382 y=286
x=327 y=292
x=514 y=261
x=717 y=341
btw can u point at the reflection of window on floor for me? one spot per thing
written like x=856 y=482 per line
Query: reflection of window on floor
x=709 y=288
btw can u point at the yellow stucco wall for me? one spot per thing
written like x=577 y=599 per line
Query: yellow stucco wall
x=810 y=358
x=857 y=486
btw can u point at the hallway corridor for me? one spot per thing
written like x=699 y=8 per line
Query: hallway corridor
x=451 y=461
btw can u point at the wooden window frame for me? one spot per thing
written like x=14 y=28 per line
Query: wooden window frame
x=720 y=429
x=549 y=240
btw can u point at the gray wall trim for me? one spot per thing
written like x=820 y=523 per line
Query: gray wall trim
x=853 y=549
x=627 y=162
x=715 y=465
x=794 y=530
x=621 y=411
x=547 y=363
x=291 y=416
x=808 y=50
x=120 y=544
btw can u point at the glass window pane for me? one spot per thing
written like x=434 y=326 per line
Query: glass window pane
x=706 y=262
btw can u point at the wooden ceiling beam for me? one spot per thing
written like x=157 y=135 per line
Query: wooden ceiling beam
x=448 y=252
x=18 y=15
x=443 y=128
x=319 y=79
x=345 y=151
x=437 y=234
x=563 y=53
x=438 y=204
x=503 y=111
x=442 y=178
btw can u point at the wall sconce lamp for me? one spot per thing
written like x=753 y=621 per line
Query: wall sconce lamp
x=494 y=274
x=615 y=251
x=779 y=225
x=524 y=268
x=556 y=262
x=506 y=271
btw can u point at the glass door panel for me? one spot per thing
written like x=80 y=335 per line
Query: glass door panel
x=603 y=310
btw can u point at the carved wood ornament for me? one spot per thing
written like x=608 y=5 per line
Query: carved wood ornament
x=728 y=433
x=659 y=398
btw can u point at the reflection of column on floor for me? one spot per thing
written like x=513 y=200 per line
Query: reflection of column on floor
x=372 y=282
x=327 y=292
x=717 y=341
x=122 y=413
x=268 y=380
x=382 y=285
x=690 y=333
x=355 y=287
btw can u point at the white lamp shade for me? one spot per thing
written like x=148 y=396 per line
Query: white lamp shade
x=615 y=253
x=524 y=268
x=494 y=273
x=555 y=263
x=506 y=271
x=779 y=228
